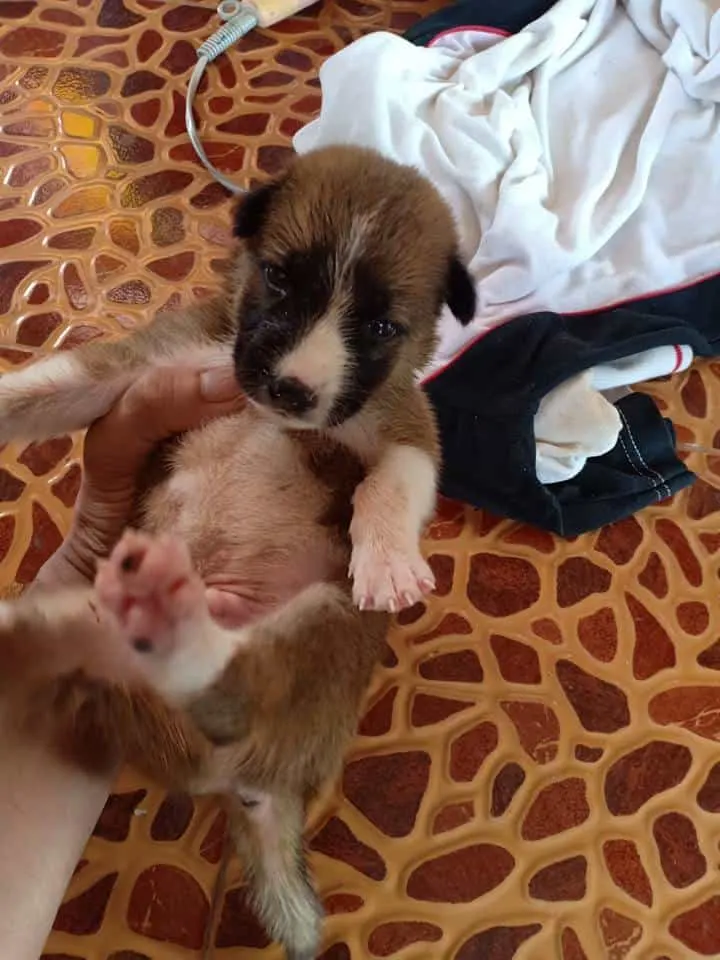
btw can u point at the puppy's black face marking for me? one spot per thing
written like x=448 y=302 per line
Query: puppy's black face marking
x=346 y=262
x=373 y=337
x=284 y=300
x=301 y=306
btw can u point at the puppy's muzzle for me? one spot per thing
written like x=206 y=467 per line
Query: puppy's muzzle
x=290 y=395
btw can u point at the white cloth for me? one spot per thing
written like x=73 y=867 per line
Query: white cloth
x=580 y=156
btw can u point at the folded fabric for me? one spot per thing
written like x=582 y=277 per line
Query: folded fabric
x=574 y=422
x=563 y=150
x=577 y=419
x=487 y=402
x=501 y=16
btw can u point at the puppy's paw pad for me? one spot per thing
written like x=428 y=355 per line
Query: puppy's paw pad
x=149 y=585
x=389 y=580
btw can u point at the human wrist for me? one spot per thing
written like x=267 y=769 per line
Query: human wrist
x=96 y=526
x=70 y=565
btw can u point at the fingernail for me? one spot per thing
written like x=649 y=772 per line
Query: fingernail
x=219 y=383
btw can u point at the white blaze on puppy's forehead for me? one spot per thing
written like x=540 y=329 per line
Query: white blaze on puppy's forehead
x=352 y=246
x=320 y=360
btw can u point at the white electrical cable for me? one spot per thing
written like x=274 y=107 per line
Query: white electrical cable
x=239 y=21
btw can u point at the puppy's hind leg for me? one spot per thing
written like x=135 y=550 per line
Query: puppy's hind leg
x=267 y=830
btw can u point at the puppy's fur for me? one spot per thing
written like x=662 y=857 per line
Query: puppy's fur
x=342 y=266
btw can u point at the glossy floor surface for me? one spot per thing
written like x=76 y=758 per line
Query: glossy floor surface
x=537 y=775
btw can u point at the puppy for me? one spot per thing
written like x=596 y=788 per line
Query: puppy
x=330 y=310
x=341 y=268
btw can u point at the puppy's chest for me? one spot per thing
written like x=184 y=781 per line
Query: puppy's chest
x=253 y=506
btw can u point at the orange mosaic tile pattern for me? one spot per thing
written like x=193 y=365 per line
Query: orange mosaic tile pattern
x=536 y=776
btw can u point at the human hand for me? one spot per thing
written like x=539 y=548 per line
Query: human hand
x=162 y=402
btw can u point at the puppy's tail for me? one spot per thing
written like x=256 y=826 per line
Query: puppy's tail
x=268 y=835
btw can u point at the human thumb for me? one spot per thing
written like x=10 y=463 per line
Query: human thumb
x=219 y=383
x=165 y=401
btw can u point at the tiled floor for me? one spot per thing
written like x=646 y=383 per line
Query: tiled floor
x=537 y=774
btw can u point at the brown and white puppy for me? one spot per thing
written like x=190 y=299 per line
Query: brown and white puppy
x=341 y=271
x=342 y=266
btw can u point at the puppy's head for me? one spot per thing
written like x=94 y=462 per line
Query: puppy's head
x=345 y=262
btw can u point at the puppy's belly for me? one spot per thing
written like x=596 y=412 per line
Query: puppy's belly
x=249 y=510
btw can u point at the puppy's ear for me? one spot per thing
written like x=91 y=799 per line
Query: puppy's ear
x=252 y=209
x=460 y=291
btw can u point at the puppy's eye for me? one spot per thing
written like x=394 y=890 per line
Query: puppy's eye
x=383 y=329
x=275 y=279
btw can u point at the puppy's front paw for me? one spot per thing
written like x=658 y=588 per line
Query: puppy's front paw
x=149 y=586
x=389 y=578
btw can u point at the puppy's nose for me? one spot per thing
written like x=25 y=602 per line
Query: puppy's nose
x=291 y=395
